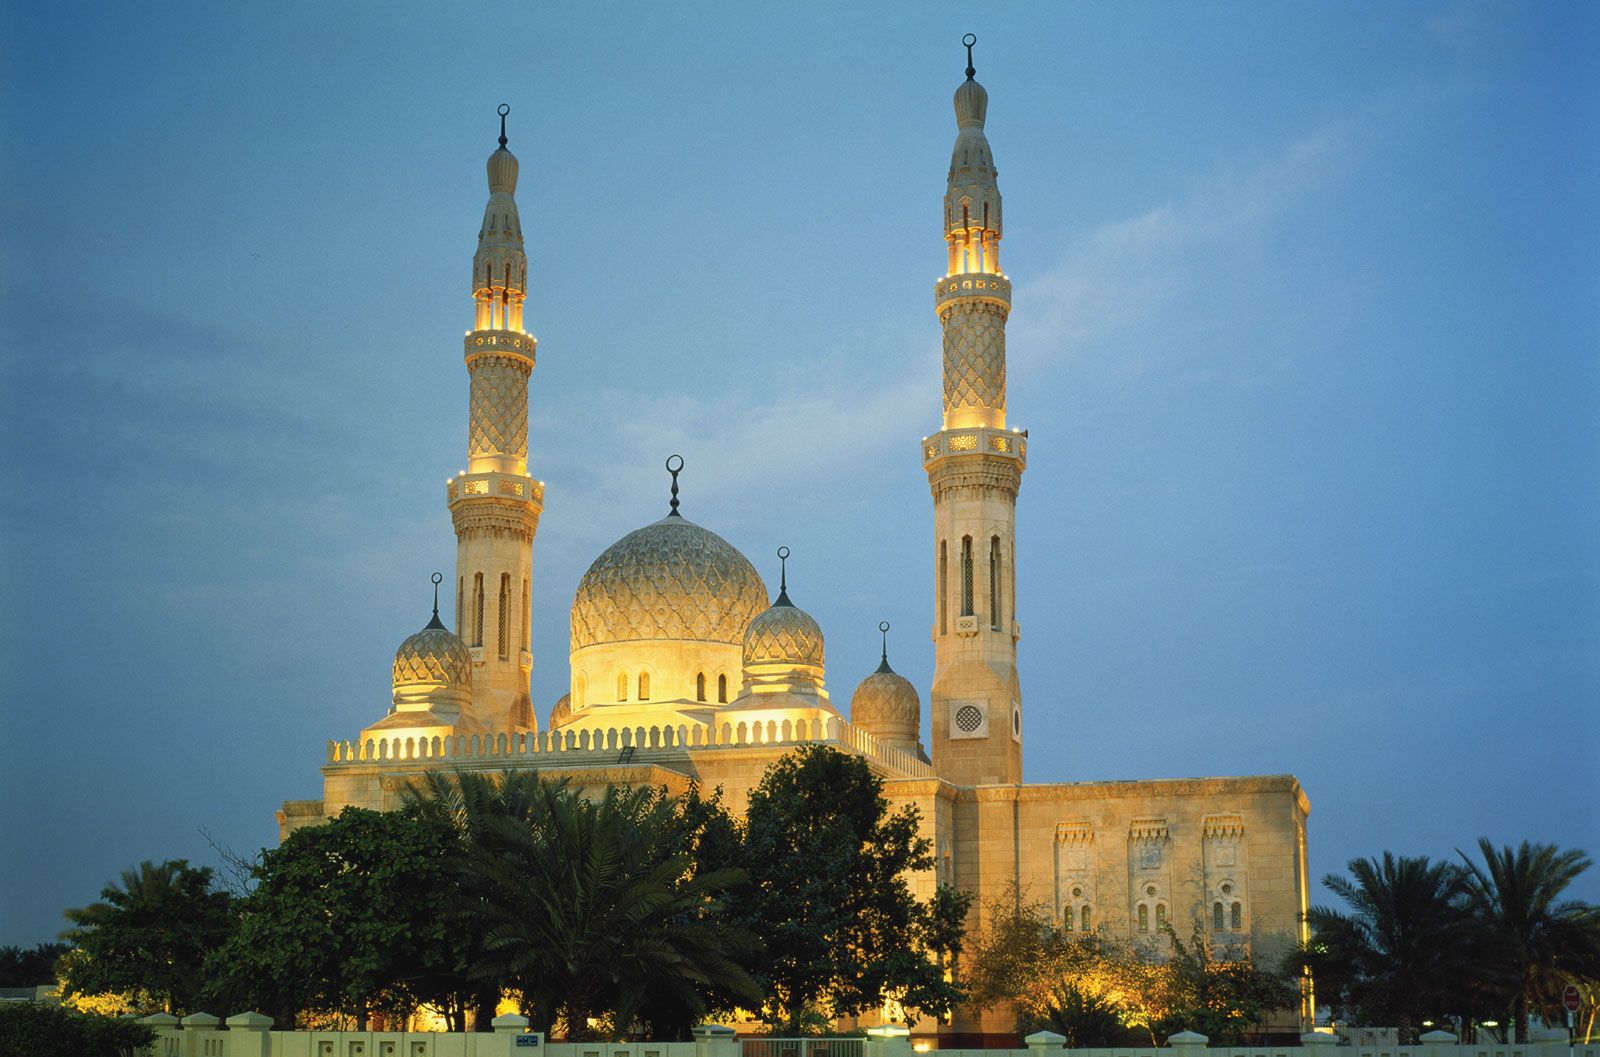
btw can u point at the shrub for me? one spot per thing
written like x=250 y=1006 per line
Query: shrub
x=29 y=1030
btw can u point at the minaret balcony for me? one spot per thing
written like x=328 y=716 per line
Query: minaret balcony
x=977 y=286
x=497 y=485
x=1010 y=444
x=500 y=342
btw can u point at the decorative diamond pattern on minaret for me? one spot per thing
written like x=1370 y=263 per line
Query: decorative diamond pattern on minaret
x=974 y=358
x=499 y=417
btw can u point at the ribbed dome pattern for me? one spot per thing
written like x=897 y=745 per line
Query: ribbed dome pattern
x=503 y=171
x=783 y=635
x=669 y=580
x=972 y=104
x=561 y=712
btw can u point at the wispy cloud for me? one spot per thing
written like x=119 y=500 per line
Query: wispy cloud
x=1121 y=274
x=1113 y=278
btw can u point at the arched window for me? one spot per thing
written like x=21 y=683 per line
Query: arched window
x=1161 y=916
x=1216 y=916
x=1083 y=918
x=477 y=609
x=1238 y=916
x=461 y=608
x=994 y=582
x=1144 y=917
x=700 y=687
x=644 y=686
x=944 y=587
x=505 y=616
x=722 y=689
x=580 y=691
x=622 y=686
x=1066 y=920
x=966 y=576
x=524 y=642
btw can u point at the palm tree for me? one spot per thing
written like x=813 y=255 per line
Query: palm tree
x=472 y=802
x=592 y=908
x=1402 y=953
x=1539 y=942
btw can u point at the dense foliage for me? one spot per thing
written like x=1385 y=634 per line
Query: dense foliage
x=29 y=1030
x=1455 y=943
x=149 y=934
x=595 y=913
x=829 y=892
x=349 y=918
x=1102 y=992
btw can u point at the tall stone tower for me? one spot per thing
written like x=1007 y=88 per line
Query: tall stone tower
x=974 y=468
x=495 y=505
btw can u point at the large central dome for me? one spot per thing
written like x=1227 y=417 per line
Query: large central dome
x=669 y=580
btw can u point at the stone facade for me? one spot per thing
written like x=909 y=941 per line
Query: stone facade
x=683 y=673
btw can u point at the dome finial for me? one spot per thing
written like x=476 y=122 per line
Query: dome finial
x=883 y=628
x=674 y=471
x=969 y=40
x=505 y=108
x=783 y=578
x=438 y=578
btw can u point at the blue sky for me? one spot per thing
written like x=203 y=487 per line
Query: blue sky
x=1305 y=335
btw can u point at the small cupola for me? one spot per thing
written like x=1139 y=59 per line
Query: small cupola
x=886 y=705
x=432 y=669
x=783 y=647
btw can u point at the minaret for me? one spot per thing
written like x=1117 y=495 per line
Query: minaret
x=494 y=504
x=974 y=468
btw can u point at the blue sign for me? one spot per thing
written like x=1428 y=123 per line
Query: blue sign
x=527 y=1040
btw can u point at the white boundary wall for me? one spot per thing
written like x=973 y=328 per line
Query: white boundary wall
x=251 y=1035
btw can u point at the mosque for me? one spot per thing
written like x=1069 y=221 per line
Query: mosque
x=685 y=669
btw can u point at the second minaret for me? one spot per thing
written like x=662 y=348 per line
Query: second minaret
x=974 y=467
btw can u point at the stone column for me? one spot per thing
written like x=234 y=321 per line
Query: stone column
x=715 y=1040
x=247 y=1035
x=195 y=1025
x=1188 y=1043
x=1044 y=1043
x=889 y=1040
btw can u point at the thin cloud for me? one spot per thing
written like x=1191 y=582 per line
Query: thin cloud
x=1123 y=273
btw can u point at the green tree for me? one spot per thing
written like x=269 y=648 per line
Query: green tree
x=477 y=806
x=149 y=933
x=593 y=911
x=1220 y=994
x=1403 y=952
x=828 y=867
x=1099 y=992
x=348 y=917
x=31 y=967
x=1537 y=942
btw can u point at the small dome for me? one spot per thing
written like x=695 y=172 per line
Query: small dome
x=783 y=635
x=503 y=171
x=562 y=712
x=972 y=104
x=669 y=580
x=430 y=663
x=887 y=705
